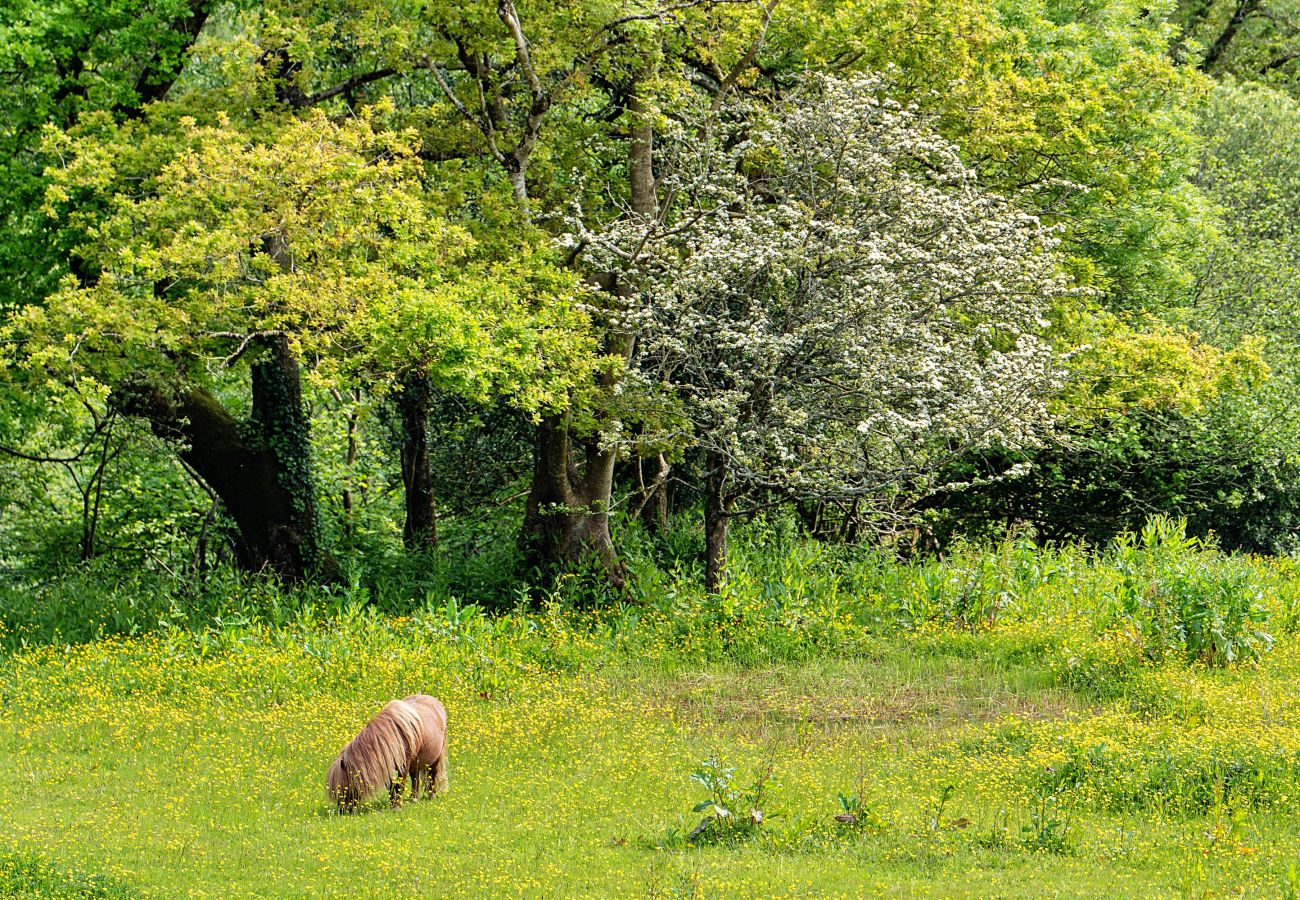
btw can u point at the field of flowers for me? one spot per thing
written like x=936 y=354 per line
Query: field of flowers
x=1053 y=743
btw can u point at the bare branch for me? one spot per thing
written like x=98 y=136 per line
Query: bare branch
x=483 y=124
x=246 y=341
x=510 y=16
x=343 y=87
x=667 y=11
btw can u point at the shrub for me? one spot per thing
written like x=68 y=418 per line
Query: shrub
x=1181 y=600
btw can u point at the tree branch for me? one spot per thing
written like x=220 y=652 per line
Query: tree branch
x=1279 y=62
x=62 y=460
x=355 y=81
x=745 y=61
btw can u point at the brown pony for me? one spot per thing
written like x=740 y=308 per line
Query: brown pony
x=407 y=737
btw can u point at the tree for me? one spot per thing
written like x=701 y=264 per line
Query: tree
x=1255 y=40
x=63 y=58
x=1081 y=113
x=1079 y=110
x=1154 y=420
x=1250 y=277
x=318 y=244
x=839 y=305
x=525 y=86
x=527 y=113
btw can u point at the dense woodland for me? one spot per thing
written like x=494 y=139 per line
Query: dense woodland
x=468 y=294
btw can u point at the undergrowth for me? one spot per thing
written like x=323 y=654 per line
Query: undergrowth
x=1098 y=613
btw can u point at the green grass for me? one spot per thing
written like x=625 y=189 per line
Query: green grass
x=32 y=875
x=175 y=766
x=1016 y=722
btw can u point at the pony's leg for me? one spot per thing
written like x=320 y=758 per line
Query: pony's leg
x=415 y=781
x=439 y=781
x=395 y=792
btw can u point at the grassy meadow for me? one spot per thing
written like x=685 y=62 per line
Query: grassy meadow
x=1013 y=721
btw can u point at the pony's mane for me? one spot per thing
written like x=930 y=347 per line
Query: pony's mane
x=383 y=747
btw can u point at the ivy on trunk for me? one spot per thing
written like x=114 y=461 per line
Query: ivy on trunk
x=260 y=468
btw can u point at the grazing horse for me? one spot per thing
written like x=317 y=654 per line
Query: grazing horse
x=408 y=737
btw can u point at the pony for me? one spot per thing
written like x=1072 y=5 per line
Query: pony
x=408 y=737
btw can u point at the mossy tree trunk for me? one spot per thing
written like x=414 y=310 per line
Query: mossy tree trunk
x=567 y=514
x=259 y=468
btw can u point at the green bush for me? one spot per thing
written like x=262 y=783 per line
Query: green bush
x=1229 y=469
x=1181 y=600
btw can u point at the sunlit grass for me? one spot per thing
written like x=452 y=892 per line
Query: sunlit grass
x=182 y=764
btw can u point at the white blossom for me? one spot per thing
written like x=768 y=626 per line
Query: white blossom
x=834 y=301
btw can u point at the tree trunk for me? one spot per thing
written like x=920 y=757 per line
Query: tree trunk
x=420 y=531
x=652 y=496
x=279 y=431
x=641 y=186
x=810 y=515
x=1243 y=10
x=567 y=515
x=657 y=510
x=261 y=469
x=350 y=462
x=517 y=175
x=162 y=70
x=717 y=523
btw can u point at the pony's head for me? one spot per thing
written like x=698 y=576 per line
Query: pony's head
x=343 y=785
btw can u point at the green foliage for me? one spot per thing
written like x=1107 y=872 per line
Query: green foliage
x=1119 y=367
x=1249 y=39
x=1047 y=98
x=857 y=815
x=194 y=155
x=1228 y=468
x=1249 y=280
x=323 y=234
x=730 y=812
x=63 y=59
x=216 y=175
x=1163 y=596
x=1175 y=602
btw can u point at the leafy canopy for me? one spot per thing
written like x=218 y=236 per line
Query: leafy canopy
x=846 y=301
x=323 y=232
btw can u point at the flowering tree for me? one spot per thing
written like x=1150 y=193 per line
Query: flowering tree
x=835 y=305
